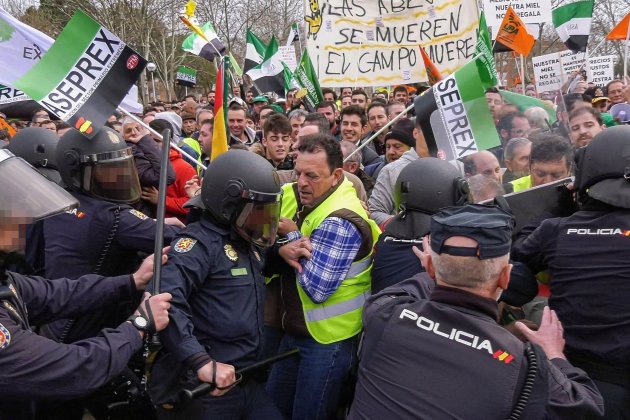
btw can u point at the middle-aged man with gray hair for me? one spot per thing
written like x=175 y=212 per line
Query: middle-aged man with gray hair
x=436 y=351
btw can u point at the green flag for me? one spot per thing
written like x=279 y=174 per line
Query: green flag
x=484 y=48
x=306 y=78
x=523 y=102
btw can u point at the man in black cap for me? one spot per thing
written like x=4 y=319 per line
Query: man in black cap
x=586 y=256
x=442 y=354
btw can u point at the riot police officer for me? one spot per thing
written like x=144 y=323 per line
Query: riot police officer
x=215 y=277
x=422 y=188
x=34 y=367
x=441 y=354
x=37 y=146
x=104 y=234
x=586 y=255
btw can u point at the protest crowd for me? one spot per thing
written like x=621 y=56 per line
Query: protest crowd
x=276 y=249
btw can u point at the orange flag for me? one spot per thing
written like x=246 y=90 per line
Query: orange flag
x=433 y=74
x=620 y=31
x=513 y=33
x=5 y=126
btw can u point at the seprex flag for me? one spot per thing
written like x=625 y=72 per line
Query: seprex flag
x=454 y=114
x=84 y=75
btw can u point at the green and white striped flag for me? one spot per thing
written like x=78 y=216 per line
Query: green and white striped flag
x=484 y=48
x=573 y=23
x=268 y=76
x=254 y=52
x=84 y=75
x=209 y=49
x=454 y=114
x=186 y=76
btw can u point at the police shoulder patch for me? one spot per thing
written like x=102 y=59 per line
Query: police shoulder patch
x=138 y=214
x=184 y=244
x=5 y=337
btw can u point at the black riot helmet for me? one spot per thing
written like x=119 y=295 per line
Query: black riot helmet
x=102 y=167
x=423 y=187
x=241 y=189
x=38 y=146
x=602 y=169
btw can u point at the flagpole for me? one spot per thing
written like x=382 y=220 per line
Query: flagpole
x=378 y=133
x=523 y=72
x=158 y=135
x=625 y=59
x=299 y=39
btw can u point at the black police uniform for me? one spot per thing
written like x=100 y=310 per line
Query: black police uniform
x=586 y=255
x=217 y=313
x=34 y=367
x=441 y=354
x=394 y=261
x=99 y=237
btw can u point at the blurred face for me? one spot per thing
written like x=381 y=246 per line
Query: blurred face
x=205 y=138
x=351 y=128
x=258 y=105
x=601 y=106
x=49 y=126
x=346 y=101
x=583 y=128
x=236 y=121
x=487 y=165
x=329 y=113
x=328 y=96
x=519 y=164
x=189 y=126
x=401 y=96
x=277 y=145
x=304 y=131
x=360 y=100
x=133 y=131
x=395 y=110
x=250 y=123
x=296 y=124
x=377 y=118
x=394 y=149
x=495 y=102
x=41 y=114
x=264 y=114
x=615 y=93
x=520 y=127
x=204 y=115
x=314 y=177
x=346 y=92
x=545 y=172
x=249 y=96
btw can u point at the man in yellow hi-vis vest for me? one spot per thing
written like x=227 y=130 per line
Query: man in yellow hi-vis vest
x=327 y=259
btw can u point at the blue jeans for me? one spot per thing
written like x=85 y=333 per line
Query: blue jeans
x=308 y=386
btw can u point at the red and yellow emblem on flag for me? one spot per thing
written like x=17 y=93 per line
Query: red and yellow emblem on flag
x=513 y=33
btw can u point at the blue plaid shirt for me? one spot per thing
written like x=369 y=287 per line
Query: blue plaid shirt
x=336 y=243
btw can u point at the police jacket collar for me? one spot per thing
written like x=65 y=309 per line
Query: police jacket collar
x=458 y=297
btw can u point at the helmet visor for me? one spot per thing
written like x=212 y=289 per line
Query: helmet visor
x=257 y=222
x=27 y=196
x=113 y=180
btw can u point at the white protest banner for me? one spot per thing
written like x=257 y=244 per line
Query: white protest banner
x=530 y=11
x=547 y=72
x=601 y=70
x=8 y=95
x=375 y=42
x=288 y=56
x=571 y=62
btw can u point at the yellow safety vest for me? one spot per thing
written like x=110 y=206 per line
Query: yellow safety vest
x=522 y=184
x=339 y=317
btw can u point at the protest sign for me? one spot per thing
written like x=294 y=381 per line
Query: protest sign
x=9 y=95
x=186 y=76
x=530 y=11
x=375 y=43
x=288 y=56
x=547 y=72
x=571 y=62
x=601 y=70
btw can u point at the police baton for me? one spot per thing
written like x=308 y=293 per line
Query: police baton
x=187 y=395
x=159 y=220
